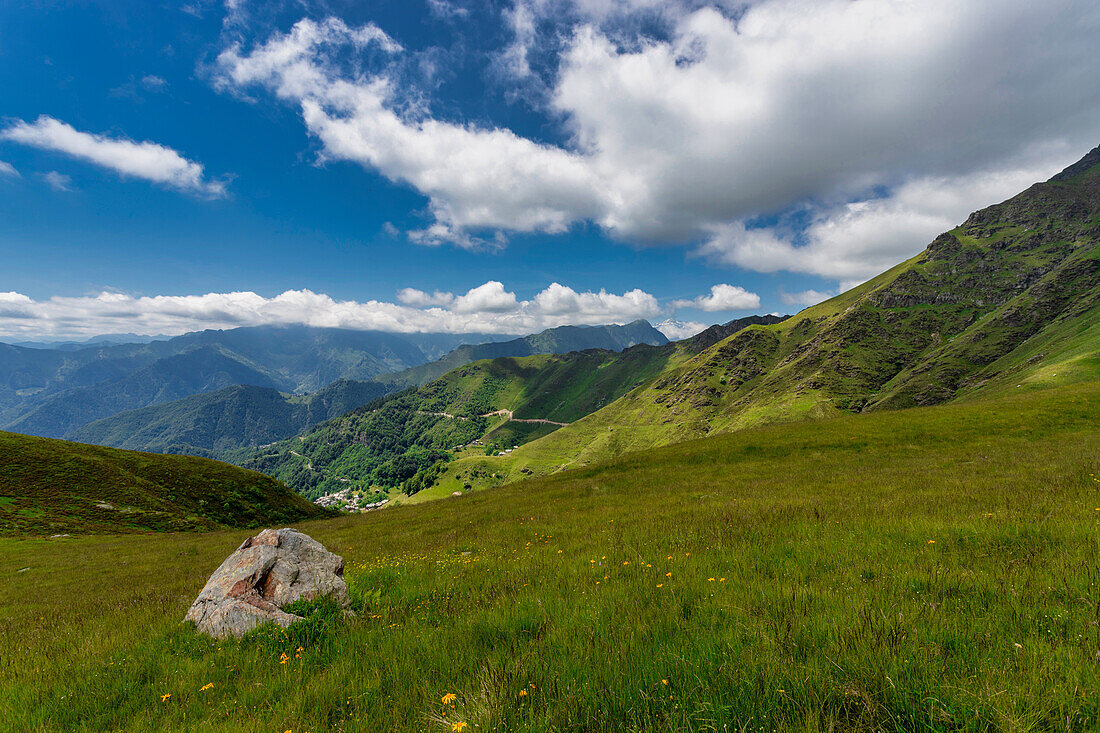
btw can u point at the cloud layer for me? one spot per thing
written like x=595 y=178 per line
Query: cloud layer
x=722 y=298
x=145 y=160
x=488 y=308
x=854 y=114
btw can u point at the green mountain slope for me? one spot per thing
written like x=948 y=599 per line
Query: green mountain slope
x=1009 y=298
x=52 y=486
x=403 y=442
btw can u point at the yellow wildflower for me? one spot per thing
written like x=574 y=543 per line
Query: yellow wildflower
x=664 y=682
x=205 y=687
x=449 y=699
x=165 y=696
x=523 y=693
x=458 y=727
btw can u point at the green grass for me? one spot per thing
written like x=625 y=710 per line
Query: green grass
x=53 y=487
x=927 y=569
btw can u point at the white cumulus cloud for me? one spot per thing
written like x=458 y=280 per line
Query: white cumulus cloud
x=853 y=111
x=475 y=178
x=420 y=299
x=722 y=297
x=146 y=160
x=857 y=240
x=7 y=169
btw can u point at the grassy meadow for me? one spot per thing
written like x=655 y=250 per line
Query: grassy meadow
x=930 y=569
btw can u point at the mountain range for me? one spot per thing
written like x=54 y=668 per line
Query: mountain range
x=257 y=408
x=49 y=392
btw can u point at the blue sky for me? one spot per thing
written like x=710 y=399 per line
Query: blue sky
x=168 y=166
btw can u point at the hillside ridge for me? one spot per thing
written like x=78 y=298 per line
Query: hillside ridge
x=50 y=486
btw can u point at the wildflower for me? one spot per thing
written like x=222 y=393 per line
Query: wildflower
x=283 y=659
x=710 y=580
x=931 y=542
x=721 y=580
x=664 y=682
x=1018 y=646
x=206 y=687
x=626 y=562
x=668 y=575
x=165 y=696
x=660 y=585
x=449 y=698
x=523 y=693
x=458 y=727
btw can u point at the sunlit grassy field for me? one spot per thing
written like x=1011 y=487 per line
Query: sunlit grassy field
x=931 y=569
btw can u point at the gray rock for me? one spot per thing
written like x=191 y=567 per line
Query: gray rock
x=270 y=570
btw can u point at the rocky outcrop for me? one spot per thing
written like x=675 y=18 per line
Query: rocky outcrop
x=268 y=571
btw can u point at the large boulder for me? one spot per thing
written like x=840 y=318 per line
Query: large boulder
x=268 y=571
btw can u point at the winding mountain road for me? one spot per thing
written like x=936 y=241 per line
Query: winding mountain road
x=497 y=413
